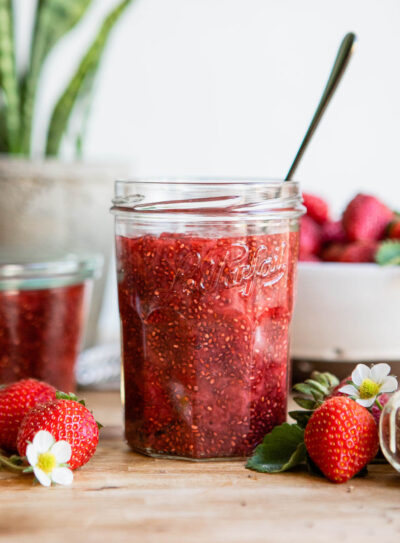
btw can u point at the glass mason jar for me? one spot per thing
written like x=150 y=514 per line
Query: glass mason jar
x=206 y=270
x=42 y=308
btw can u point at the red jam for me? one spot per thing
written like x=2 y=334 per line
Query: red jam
x=205 y=341
x=40 y=331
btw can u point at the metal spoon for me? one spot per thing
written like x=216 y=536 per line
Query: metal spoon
x=343 y=56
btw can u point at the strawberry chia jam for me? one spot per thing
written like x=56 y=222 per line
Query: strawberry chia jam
x=42 y=309
x=204 y=322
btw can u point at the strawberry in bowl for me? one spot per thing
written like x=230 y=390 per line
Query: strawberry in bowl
x=356 y=237
x=348 y=282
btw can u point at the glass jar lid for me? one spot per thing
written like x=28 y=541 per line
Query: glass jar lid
x=204 y=198
x=22 y=270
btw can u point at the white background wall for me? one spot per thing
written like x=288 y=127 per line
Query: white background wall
x=229 y=87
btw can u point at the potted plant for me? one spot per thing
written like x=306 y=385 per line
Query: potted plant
x=47 y=204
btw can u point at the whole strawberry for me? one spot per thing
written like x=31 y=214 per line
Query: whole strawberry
x=359 y=251
x=366 y=218
x=16 y=400
x=333 y=252
x=310 y=236
x=375 y=410
x=308 y=257
x=333 y=232
x=341 y=437
x=317 y=208
x=66 y=419
x=393 y=231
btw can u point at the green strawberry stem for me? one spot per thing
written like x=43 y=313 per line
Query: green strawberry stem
x=316 y=390
x=378 y=403
x=12 y=463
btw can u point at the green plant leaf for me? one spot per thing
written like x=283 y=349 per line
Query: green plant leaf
x=10 y=115
x=54 y=18
x=81 y=83
x=281 y=450
x=388 y=253
x=3 y=133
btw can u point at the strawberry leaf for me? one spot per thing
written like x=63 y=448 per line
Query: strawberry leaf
x=70 y=396
x=301 y=417
x=281 y=450
x=303 y=388
x=17 y=460
x=388 y=253
x=305 y=403
x=312 y=468
x=12 y=463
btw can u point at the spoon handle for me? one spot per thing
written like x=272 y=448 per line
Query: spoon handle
x=338 y=69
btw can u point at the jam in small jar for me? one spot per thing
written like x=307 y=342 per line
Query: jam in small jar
x=206 y=274
x=42 y=310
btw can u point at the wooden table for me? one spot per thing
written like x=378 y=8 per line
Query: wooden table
x=121 y=496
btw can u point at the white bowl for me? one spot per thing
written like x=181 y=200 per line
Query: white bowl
x=346 y=312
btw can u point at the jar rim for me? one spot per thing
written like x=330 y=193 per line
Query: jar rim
x=122 y=185
x=219 y=197
x=22 y=272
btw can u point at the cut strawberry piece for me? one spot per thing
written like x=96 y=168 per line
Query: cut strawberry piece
x=366 y=218
x=317 y=208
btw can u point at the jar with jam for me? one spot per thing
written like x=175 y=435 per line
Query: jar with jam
x=43 y=306
x=206 y=272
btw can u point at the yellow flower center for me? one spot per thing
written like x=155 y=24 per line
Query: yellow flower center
x=368 y=389
x=46 y=462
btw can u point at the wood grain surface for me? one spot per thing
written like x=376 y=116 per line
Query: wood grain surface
x=121 y=496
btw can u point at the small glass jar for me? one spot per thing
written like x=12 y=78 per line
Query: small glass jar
x=389 y=430
x=206 y=270
x=42 y=308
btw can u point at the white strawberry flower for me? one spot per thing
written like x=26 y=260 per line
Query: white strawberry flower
x=368 y=383
x=49 y=458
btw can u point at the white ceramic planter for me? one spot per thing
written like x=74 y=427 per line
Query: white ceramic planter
x=50 y=206
x=347 y=312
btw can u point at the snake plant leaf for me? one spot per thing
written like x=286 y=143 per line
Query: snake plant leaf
x=82 y=82
x=54 y=18
x=10 y=116
x=3 y=131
